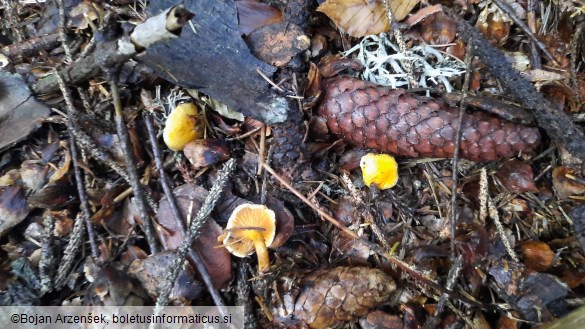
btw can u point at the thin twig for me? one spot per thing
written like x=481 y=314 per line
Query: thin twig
x=196 y=225
x=262 y=149
x=131 y=167
x=89 y=47
x=179 y=220
x=164 y=180
x=531 y=16
x=505 y=8
x=249 y=133
x=120 y=50
x=263 y=190
x=31 y=46
x=277 y=87
x=83 y=199
x=61 y=9
x=71 y=127
x=320 y=211
x=462 y=107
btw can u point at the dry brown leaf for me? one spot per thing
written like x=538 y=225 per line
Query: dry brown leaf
x=423 y=14
x=565 y=183
x=13 y=207
x=537 y=255
x=253 y=15
x=438 y=29
x=494 y=26
x=216 y=260
x=152 y=271
x=363 y=17
x=206 y=152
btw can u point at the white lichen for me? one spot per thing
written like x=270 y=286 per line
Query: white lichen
x=384 y=63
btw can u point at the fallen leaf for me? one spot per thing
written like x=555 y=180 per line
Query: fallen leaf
x=318 y=45
x=20 y=113
x=537 y=255
x=363 y=17
x=64 y=169
x=564 y=183
x=332 y=65
x=350 y=160
x=318 y=130
x=457 y=50
x=85 y=12
x=423 y=14
x=285 y=222
x=439 y=29
x=217 y=106
x=33 y=174
x=313 y=90
x=504 y=322
x=494 y=25
x=346 y=247
x=206 y=152
x=54 y=195
x=13 y=207
x=253 y=15
x=113 y=287
x=152 y=273
x=189 y=199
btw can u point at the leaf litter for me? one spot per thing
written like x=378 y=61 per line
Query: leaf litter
x=515 y=259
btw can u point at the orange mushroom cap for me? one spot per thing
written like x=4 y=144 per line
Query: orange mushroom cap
x=250 y=228
x=182 y=126
x=380 y=170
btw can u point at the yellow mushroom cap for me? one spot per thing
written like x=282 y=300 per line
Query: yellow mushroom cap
x=245 y=224
x=182 y=126
x=380 y=170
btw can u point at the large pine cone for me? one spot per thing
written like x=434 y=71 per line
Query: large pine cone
x=408 y=125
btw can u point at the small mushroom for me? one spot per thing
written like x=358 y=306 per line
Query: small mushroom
x=250 y=228
x=182 y=126
x=380 y=170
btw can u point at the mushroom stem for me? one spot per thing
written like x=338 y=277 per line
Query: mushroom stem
x=261 y=251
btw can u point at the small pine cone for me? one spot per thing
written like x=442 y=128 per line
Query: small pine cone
x=288 y=142
x=408 y=125
x=332 y=296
